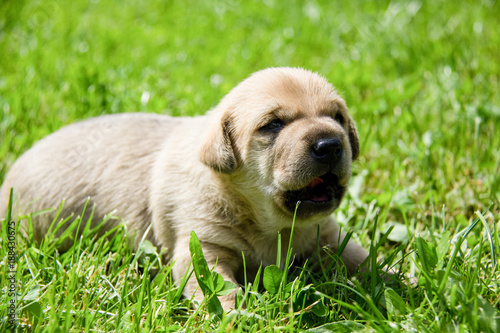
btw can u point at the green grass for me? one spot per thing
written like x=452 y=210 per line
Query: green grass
x=421 y=79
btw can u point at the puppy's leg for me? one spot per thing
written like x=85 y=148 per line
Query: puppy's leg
x=225 y=261
x=353 y=255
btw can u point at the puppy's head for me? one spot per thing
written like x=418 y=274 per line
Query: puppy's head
x=287 y=137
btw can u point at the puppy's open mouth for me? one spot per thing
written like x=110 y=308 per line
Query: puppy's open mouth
x=319 y=195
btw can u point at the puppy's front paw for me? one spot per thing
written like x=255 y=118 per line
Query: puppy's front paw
x=228 y=301
x=390 y=274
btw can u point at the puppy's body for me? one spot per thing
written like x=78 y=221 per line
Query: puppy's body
x=233 y=176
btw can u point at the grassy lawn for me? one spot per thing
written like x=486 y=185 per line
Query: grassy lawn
x=421 y=79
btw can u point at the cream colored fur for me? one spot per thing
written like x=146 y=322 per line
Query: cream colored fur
x=219 y=174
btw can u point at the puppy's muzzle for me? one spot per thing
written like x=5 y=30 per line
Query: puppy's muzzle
x=327 y=151
x=326 y=188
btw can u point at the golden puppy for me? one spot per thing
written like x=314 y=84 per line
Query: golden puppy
x=234 y=175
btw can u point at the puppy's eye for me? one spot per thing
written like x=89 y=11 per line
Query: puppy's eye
x=273 y=126
x=339 y=118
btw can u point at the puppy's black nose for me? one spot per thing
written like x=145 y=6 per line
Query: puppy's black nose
x=327 y=150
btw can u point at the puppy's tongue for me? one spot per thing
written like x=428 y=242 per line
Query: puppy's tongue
x=315 y=192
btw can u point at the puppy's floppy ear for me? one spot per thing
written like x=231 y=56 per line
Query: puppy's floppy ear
x=217 y=149
x=353 y=139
